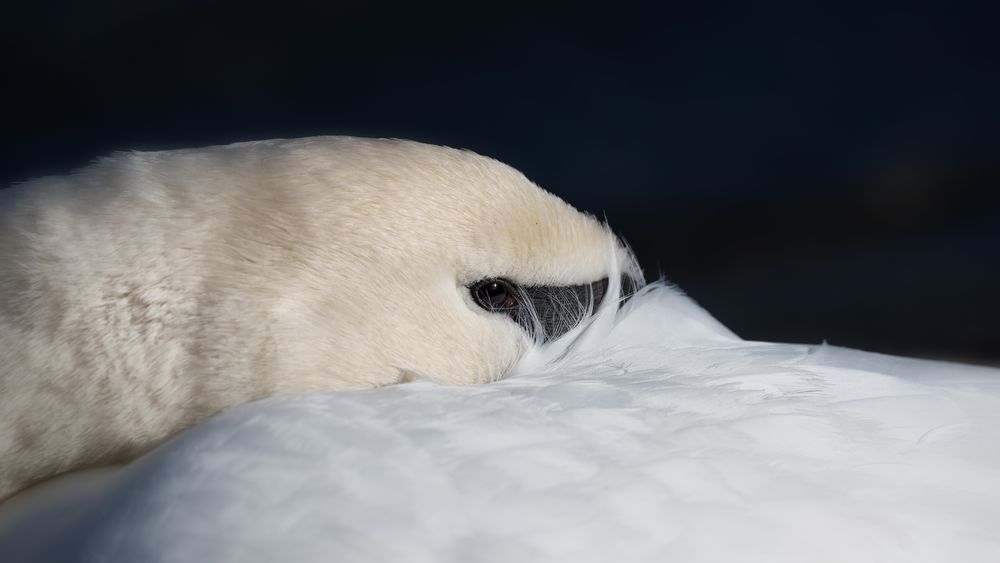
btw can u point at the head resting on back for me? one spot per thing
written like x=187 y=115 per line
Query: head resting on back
x=440 y=262
x=149 y=291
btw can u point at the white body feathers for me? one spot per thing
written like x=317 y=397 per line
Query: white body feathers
x=658 y=437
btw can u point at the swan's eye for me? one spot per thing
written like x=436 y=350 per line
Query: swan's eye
x=495 y=295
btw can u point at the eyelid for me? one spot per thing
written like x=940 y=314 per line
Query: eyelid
x=509 y=288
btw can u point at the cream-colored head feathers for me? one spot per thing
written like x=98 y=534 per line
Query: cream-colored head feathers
x=151 y=290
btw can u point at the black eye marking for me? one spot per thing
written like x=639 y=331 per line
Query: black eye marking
x=495 y=295
x=545 y=311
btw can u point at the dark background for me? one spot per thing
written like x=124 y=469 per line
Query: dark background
x=804 y=172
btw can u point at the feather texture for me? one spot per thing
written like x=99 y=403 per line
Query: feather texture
x=658 y=436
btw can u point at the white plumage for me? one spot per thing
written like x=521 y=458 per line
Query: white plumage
x=148 y=292
x=660 y=436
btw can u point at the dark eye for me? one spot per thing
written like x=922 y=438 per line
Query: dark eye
x=495 y=295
